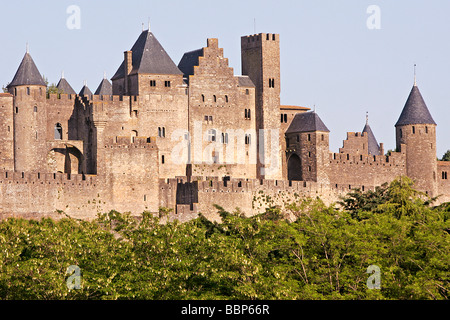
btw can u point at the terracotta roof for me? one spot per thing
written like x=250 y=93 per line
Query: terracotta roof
x=294 y=108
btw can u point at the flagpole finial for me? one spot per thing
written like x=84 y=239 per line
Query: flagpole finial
x=415 y=75
x=28 y=48
x=367 y=117
x=62 y=74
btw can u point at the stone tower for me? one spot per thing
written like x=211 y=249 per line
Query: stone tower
x=261 y=62
x=416 y=131
x=307 y=148
x=30 y=117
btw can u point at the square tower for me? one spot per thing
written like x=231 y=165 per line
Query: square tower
x=261 y=62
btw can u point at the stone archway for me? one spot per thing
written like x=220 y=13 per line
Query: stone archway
x=66 y=159
x=294 y=168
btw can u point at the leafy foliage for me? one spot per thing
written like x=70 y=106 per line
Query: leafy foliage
x=323 y=254
x=446 y=156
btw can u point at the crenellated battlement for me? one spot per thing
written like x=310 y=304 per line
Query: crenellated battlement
x=46 y=178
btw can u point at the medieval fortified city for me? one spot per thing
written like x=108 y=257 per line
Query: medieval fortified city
x=188 y=136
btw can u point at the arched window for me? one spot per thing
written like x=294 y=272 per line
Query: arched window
x=58 y=132
x=215 y=98
x=203 y=98
x=35 y=108
x=226 y=99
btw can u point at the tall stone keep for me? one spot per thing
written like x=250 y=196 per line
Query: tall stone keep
x=30 y=117
x=261 y=62
x=416 y=131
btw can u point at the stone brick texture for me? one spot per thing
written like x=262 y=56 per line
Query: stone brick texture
x=152 y=145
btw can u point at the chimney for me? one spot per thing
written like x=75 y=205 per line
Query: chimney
x=381 y=148
x=128 y=59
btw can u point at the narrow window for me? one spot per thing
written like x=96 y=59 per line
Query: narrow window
x=203 y=97
x=152 y=83
x=215 y=98
x=247 y=92
x=249 y=115
x=28 y=90
x=285 y=118
x=348 y=157
x=298 y=138
x=159 y=132
x=35 y=109
x=206 y=119
x=212 y=135
x=414 y=130
x=210 y=119
x=401 y=133
x=163 y=160
x=246 y=114
x=226 y=99
x=17 y=109
x=309 y=137
x=426 y=129
x=281 y=119
x=58 y=131
x=15 y=91
x=164 y=132
x=167 y=84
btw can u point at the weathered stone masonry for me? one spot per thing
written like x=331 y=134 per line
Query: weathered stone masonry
x=187 y=137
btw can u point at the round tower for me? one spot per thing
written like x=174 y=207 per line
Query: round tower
x=416 y=131
x=29 y=117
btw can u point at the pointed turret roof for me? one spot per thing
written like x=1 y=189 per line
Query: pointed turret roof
x=85 y=91
x=65 y=87
x=415 y=110
x=148 y=56
x=104 y=89
x=373 y=147
x=27 y=74
x=307 y=122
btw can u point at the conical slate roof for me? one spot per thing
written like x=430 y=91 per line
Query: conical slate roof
x=85 y=91
x=65 y=87
x=415 y=110
x=104 y=89
x=148 y=57
x=374 y=147
x=307 y=122
x=27 y=74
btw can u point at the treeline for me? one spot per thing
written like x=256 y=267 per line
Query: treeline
x=309 y=251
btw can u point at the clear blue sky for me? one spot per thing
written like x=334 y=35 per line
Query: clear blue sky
x=329 y=58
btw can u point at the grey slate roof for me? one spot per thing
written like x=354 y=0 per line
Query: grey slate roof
x=148 y=57
x=245 y=81
x=65 y=87
x=27 y=74
x=85 y=91
x=415 y=110
x=373 y=147
x=104 y=89
x=307 y=122
x=189 y=60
